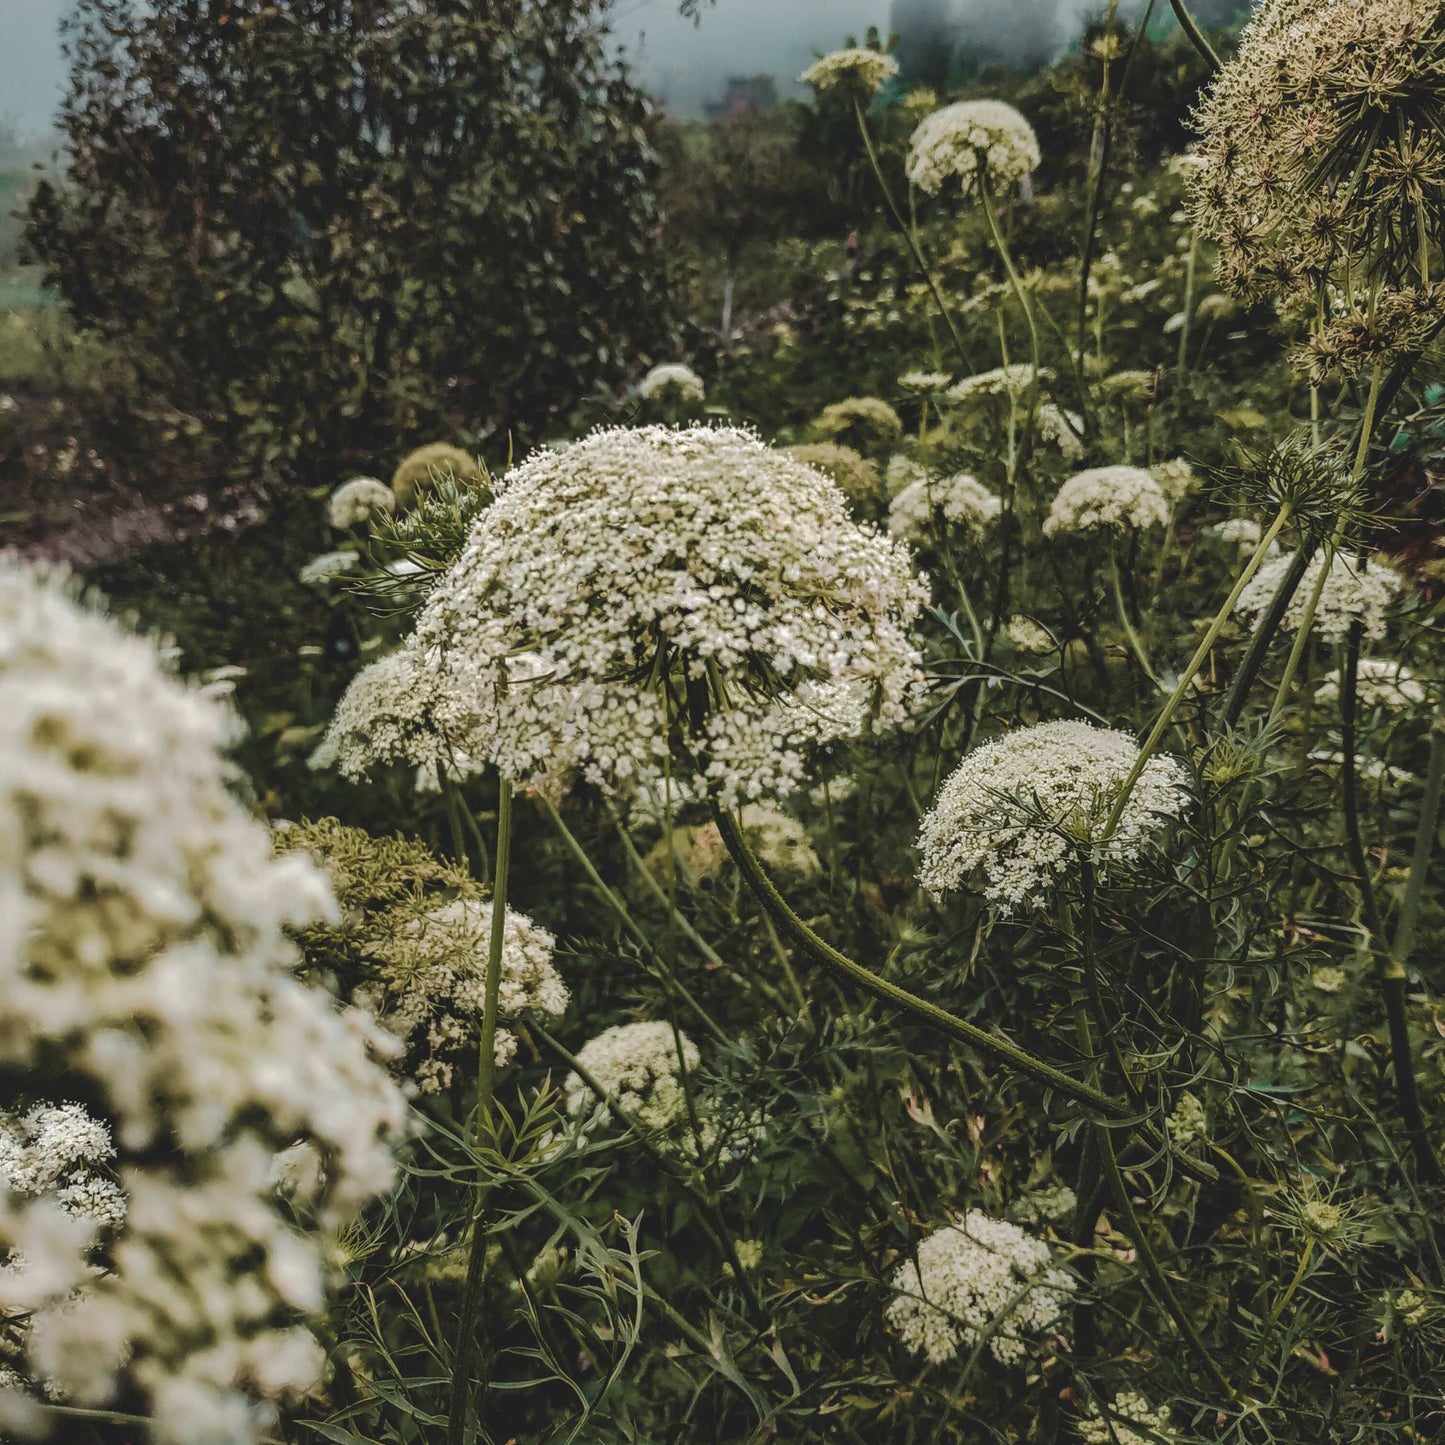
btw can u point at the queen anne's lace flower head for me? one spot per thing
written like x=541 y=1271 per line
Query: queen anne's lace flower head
x=1107 y=497
x=1011 y=380
x=1176 y=479
x=1379 y=682
x=355 y=503
x=431 y=983
x=953 y=141
x=62 y=1151
x=143 y=956
x=636 y=1065
x=1019 y=809
x=1320 y=150
x=670 y=589
x=979 y=1278
x=924 y=383
x=326 y=568
x=960 y=501
x=1353 y=591
x=1244 y=532
x=1130 y=1409
x=854 y=73
x=671 y=381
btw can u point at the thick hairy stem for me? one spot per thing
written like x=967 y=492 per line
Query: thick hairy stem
x=912 y=240
x=1186 y=678
x=1389 y=970
x=461 y=1391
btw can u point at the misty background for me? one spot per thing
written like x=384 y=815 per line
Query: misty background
x=687 y=66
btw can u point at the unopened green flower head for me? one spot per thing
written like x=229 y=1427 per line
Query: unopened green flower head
x=866 y=421
x=856 y=476
x=422 y=470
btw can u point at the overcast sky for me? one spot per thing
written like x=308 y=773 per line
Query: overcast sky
x=682 y=64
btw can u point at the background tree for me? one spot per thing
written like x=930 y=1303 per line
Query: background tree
x=333 y=227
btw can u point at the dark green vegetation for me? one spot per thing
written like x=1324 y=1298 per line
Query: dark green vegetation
x=652 y=1292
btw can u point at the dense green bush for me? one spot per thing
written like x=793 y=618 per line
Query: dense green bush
x=321 y=228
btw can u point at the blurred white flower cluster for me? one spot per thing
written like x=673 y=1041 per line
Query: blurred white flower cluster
x=1021 y=807
x=968 y=136
x=960 y=501
x=1379 y=682
x=1107 y=497
x=978 y=1278
x=1352 y=591
x=432 y=981
x=672 y=381
x=638 y=1067
x=855 y=72
x=143 y=956
x=356 y=502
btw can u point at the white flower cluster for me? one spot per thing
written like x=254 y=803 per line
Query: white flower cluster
x=636 y=1066
x=960 y=501
x=1129 y=1409
x=672 y=381
x=1379 y=682
x=60 y=1150
x=433 y=979
x=924 y=383
x=356 y=502
x=1011 y=380
x=1353 y=590
x=1020 y=808
x=978 y=1277
x=856 y=71
x=779 y=840
x=1106 y=497
x=954 y=141
x=1176 y=479
x=1063 y=428
x=391 y=712
x=1244 y=532
x=143 y=956
x=322 y=570
x=647 y=571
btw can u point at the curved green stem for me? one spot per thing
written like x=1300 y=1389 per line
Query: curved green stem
x=461 y=1383
x=1194 y=34
x=668 y=977
x=1187 y=677
x=912 y=241
x=1149 y=1261
x=992 y=1046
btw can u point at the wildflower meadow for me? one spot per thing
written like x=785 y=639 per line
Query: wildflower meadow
x=763 y=778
